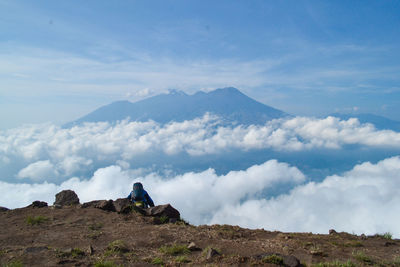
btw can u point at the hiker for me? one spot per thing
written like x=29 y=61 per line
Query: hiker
x=140 y=197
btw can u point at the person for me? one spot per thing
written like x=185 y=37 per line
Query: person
x=140 y=197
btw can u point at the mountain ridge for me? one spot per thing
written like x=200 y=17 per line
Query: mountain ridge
x=228 y=103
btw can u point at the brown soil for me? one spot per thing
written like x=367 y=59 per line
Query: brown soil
x=73 y=236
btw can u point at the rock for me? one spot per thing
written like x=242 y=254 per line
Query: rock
x=3 y=209
x=90 y=250
x=193 y=247
x=66 y=198
x=363 y=237
x=90 y=204
x=123 y=205
x=332 y=232
x=291 y=261
x=38 y=204
x=56 y=206
x=163 y=210
x=211 y=253
x=107 y=205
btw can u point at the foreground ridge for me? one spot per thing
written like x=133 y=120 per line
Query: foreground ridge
x=114 y=233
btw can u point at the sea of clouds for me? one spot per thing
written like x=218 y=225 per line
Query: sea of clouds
x=40 y=160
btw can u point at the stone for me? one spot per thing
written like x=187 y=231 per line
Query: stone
x=123 y=205
x=291 y=261
x=107 y=205
x=363 y=237
x=193 y=247
x=91 y=204
x=38 y=204
x=163 y=210
x=3 y=209
x=211 y=253
x=66 y=198
x=90 y=250
x=332 y=232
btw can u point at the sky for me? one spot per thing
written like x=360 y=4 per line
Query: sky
x=61 y=60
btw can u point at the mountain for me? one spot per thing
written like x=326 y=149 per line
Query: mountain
x=381 y=123
x=228 y=103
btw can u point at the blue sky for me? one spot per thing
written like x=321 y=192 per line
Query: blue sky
x=62 y=59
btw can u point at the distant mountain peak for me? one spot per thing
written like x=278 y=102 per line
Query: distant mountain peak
x=228 y=103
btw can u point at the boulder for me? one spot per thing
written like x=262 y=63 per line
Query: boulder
x=3 y=209
x=123 y=205
x=211 y=253
x=291 y=261
x=66 y=198
x=163 y=210
x=107 y=205
x=38 y=204
x=90 y=204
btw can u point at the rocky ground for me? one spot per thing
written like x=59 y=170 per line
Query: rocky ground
x=95 y=234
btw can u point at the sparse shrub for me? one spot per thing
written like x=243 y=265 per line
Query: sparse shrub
x=182 y=259
x=360 y=256
x=106 y=264
x=275 y=259
x=94 y=234
x=387 y=235
x=36 y=220
x=95 y=226
x=157 y=261
x=164 y=219
x=117 y=246
x=175 y=250
x=77 y=252
x=205 y=250
x=336 y=264
x=14 y=263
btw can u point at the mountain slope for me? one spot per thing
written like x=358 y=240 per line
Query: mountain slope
x=228 y=103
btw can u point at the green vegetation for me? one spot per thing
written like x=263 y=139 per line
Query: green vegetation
x=275 y=259
x=360 y=256
x=157 y=261
x=36 y=220
x=116 y=247
x=164 y=219
x=95 y=226
x=182 y=259
x=14 y=263
x=387 y=235
x=74 y=253
x=336 y=264
x=175 y=250
x=106 y=264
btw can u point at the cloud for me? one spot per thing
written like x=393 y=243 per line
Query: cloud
x=362 y=200
x=51 y=152
x=38 y=171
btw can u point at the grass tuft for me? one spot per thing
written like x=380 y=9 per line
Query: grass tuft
x=275 y=259
x=14 y=263
x=335 y=264
x=175 y=250
x=157 y=261
x=106 y=264
x=182 y=259
x=117 y=246
x=36 y=220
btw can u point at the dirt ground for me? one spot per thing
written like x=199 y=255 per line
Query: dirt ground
x=75 y=236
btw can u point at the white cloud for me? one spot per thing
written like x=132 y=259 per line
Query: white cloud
x=39 y=171
x=52 y=151
x=362 y=200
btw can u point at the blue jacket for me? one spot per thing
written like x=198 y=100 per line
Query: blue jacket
x=147 y=199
